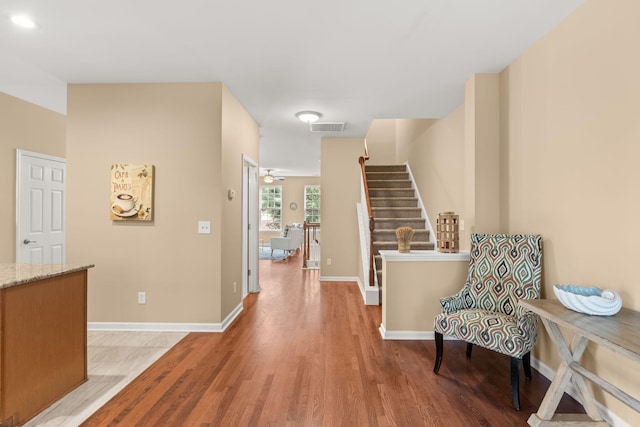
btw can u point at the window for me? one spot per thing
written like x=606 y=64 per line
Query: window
x=312 y=203
x=270 y=207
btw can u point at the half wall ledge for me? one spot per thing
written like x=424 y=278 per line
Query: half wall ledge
x=412 y=285
x=420 y=256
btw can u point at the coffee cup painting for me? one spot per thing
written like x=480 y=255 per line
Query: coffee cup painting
x=131 y=192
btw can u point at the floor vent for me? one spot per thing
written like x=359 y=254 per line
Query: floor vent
x=327 y=126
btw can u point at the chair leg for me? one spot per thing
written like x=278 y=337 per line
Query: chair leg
x=438 y=339
x=526 y=364
x=469 y=348
x=515 y=382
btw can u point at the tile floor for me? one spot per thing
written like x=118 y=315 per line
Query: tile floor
x=115 y=359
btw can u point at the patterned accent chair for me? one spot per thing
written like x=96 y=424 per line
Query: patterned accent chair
x=503 y=269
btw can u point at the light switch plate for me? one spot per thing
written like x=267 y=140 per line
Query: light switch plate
x=204 y=227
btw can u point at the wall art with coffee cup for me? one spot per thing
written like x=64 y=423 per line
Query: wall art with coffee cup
x=131 y=192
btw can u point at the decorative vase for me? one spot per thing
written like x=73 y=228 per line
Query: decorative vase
x=404 y=235
x=589 y=300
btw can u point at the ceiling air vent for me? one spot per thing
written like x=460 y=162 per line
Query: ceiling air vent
x=326 y=127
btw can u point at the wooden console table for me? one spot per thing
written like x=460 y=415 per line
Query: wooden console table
x=43 y=336
x=619 y=333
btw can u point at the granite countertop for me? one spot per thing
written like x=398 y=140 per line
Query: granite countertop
x=17 y=274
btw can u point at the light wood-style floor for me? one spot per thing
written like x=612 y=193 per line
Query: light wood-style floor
x=308 y=353
x=114 y=360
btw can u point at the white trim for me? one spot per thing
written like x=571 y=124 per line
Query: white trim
x=409 y=335
x=167 y=327
x=371 y=295
x=416 y=256
x=432 y=234
x=250 y=216
x=363 y=230
x=404 y=335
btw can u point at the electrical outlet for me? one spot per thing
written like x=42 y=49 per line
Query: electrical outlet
x=328 y=261
x=142 y=297
x=235 y=287
x=204 y=227
x=461 y=225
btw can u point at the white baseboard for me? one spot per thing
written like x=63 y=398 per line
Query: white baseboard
x=404 y=335
x=167 y=327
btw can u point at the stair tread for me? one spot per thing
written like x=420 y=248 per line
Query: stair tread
x=393 y=230
x=413 y=242
x=399 y=219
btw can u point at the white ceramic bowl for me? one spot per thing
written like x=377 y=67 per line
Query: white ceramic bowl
x=589 y=300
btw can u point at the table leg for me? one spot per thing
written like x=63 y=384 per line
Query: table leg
x=564 y=375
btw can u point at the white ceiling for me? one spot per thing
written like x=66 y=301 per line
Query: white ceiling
x=351 y=60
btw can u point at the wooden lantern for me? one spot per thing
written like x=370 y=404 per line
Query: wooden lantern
x=448 y=232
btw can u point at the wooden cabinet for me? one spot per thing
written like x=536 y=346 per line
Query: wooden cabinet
x=43 y=343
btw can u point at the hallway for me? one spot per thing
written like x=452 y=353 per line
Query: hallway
x=308 y=353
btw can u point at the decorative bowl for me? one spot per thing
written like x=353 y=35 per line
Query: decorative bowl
x=589 y=300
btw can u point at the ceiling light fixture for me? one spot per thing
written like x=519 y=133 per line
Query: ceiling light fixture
x=23 y=21
x=308 y=116
x=268 y=178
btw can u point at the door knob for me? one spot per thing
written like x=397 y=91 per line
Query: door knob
x=27 y=241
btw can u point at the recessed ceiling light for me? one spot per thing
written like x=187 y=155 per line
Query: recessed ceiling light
x=23 y=21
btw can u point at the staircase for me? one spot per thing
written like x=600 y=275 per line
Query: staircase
x=394 y=204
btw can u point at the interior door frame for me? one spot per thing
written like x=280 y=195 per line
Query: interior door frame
x=21 y=155
x=250 y=227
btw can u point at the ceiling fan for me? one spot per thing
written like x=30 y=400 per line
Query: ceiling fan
x=269 y=178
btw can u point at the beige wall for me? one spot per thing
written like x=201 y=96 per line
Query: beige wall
x=240 y=134
x=340 y=183
x=568 y=170
x=482 y=153
x=436 y=157
x=408 y=134
x=570 y=152
x=381 y=142
x=292 y=191
x=411 y=292
x=179 y=128
x=28 y=127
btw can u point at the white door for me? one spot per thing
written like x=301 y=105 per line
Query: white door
x=250 y=219
x=40 y=208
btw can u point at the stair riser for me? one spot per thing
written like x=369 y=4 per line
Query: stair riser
x=385 y=168
x=393 y=246
x=392 y=224
x=390 y=236
x=385 y=192
x=396 y=213
x=389 y=184
x=403 y=203
x=378 y=176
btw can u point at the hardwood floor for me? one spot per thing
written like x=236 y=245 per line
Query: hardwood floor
x=308 y=353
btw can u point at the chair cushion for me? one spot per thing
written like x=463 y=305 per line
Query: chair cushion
x=489 y=329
